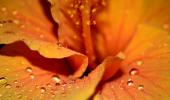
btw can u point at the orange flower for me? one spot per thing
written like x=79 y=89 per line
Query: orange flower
x=95 y=49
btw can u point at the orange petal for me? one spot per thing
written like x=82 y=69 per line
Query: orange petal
x=20 y=79
x=29 y=17
x=145 y=70
x=66 y=14
x=48 y=50
x=76 y=25
x=118 y=21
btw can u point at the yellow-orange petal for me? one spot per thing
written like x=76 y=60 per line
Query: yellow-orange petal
x=31 y=17
x=145 y=70
x=66 y=13
x=48 y=50
x=20 y=79
x=118 y=21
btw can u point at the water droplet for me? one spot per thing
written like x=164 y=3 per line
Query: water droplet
x=19 y=96
x=94 y=22
x=139 y=63
x=76 y=6
x=22 y=26
x=59 y=44
x=29 y=69
x=121 y=55
x=140 y=87
x=71 y=5
x=121 y=85
x=15 y=12
x=3 y=80
x=32 y=76
x=75 y=37
x=71 y=15
x=103 y=2
x=88 y=22
x=93 y=10
x=1 y=25
x=43 y=89
x=165 y=26
x=41 y=36
x=15 y=81
x=16 y=22
x=133 y=71
x=22 y=62
x=81 y=7
x=3 y=9
x=49 y=85
x=130 y=82
x=8 y=86
x=56 y=79
x=77 y=23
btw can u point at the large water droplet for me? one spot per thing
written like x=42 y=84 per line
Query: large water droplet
x=130 y=82
x=3 y=80
x=32 y=76
x=140 y=87
x=29 y=69
x=56 y=78
x=42 y=89
x=134 y=71
x=8 y=86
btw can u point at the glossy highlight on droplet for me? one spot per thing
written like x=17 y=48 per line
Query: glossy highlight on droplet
x=139 y=63
x=56 y=79
x=42 y=89
x=140 y=87
x=130 y=82
x=29 y=69
x=8 y=86
x=134 y=71
x=3 y=80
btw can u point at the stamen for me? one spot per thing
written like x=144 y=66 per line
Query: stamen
x=87 y=33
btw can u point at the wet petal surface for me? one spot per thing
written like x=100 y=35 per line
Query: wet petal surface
x=20 y=80
x=145 y=71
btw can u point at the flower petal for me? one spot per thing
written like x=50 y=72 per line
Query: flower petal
x=75 y=19
x=66 y=14
x=28 y=17
x=49 y=50
x=20 y=79
x=145 y=71
x=118 y=21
